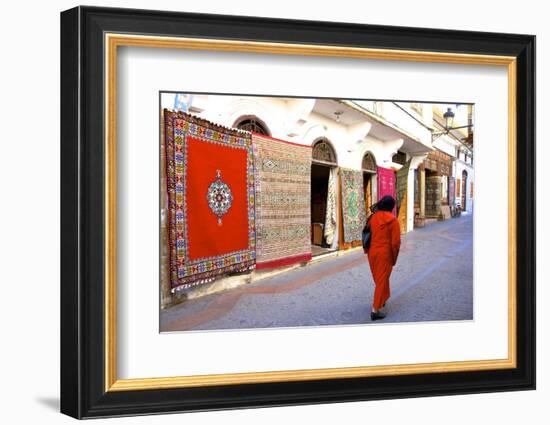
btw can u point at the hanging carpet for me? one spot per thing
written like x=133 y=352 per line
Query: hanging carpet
x=210 y=184
x=283 y=202
x=332 y=205
x=353 y=204
x=386 y=184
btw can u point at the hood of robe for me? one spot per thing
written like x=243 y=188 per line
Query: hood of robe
x=384 y=217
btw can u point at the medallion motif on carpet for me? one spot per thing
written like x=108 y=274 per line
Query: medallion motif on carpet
x=210 y=185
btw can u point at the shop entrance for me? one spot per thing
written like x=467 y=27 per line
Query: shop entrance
x=368 y=166
x=324 y=199
x=464 y=189
x=433 y=194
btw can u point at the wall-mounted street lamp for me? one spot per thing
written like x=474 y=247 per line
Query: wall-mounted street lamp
x=449 y=116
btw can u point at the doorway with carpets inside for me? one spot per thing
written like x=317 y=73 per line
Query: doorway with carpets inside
x=324 y=199
x=368 y=166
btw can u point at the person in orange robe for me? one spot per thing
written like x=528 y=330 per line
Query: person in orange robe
x=383 y=251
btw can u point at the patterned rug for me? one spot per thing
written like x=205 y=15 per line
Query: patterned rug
x=353 y=204
x=331 y=216
x=283 y=197
x=386 y=184
x=210 y=184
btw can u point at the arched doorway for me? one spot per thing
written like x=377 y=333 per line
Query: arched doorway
x=368 y=165
x=324 y=201
x=252 y=124
x=464 y=189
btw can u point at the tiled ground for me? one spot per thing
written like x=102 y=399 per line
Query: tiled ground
x=432 y=281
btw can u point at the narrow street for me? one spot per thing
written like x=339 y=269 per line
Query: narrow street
x=432 y=281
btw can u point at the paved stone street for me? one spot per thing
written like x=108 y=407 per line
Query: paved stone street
x=432 y=281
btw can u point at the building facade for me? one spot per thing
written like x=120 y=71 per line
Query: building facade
x=389 y=146
x=358 y=133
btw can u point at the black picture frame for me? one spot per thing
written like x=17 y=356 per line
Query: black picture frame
x=83 y=392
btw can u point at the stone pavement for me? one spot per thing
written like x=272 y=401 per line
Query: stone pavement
x=432 y=281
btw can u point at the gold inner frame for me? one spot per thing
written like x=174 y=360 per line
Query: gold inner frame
x=112 y=41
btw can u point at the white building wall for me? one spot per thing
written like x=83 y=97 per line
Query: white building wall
x=393 y=113
x=460 y=166
x=446 y=144
x=295 y=120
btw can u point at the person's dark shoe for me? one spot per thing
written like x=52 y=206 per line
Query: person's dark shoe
x=376 y=316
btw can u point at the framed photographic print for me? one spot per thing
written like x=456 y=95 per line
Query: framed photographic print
x=261 y=212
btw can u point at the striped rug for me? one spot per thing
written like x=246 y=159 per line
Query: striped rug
x=283 y=202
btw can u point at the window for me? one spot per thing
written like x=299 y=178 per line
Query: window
x=417 y=107
x=253 y=125
x=369 y=163
x=400 y=158
x=323 y=152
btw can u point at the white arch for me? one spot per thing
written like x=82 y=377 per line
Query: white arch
x=315 y=133
x=241 y=108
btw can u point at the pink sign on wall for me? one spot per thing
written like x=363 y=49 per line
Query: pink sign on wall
x=386 y=183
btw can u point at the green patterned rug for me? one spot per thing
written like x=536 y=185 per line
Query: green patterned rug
x=353 y=204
